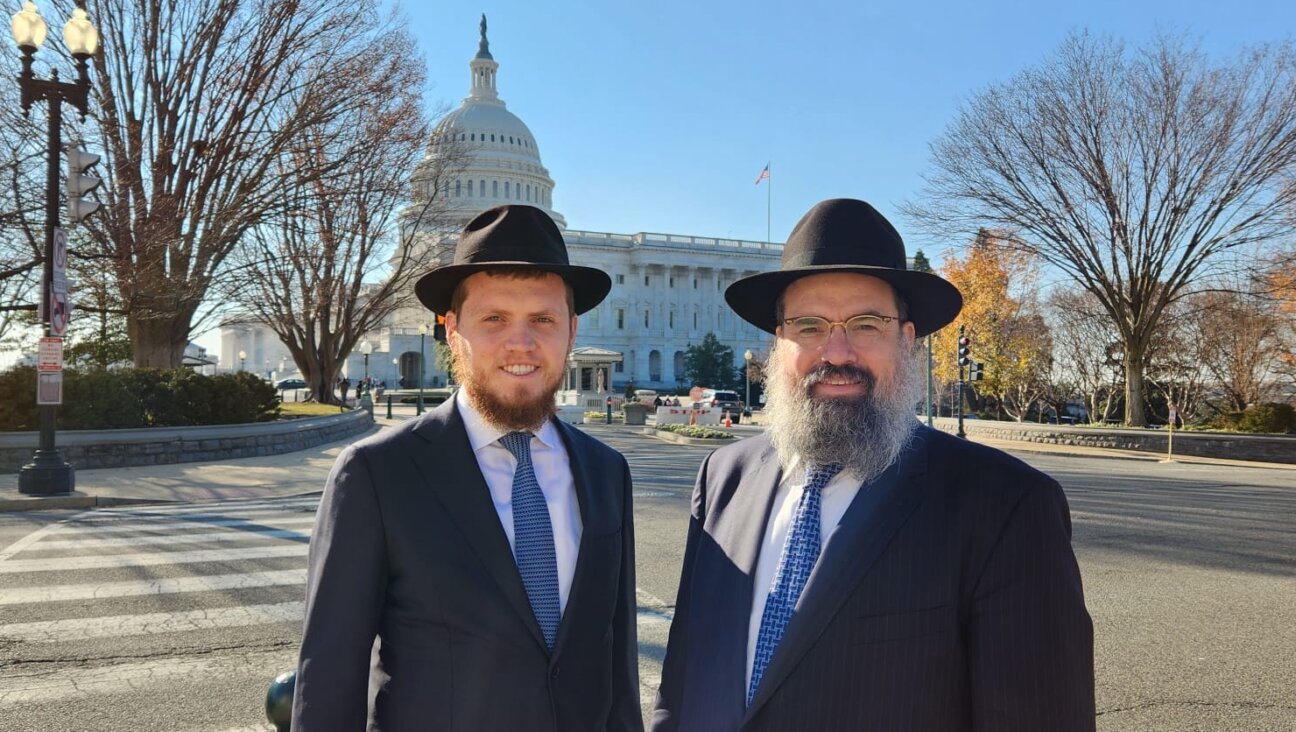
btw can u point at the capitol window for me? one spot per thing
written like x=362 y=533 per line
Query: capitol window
x=620 y=320
x=481 y=188
x=495 y=188
x=506 y=189
x=620 y=279
x=470 y=187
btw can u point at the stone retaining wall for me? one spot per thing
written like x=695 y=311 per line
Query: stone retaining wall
x=86 y=449
x=1261 y=448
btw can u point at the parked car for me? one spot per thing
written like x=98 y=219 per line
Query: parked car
x=724 y=400
x=290 y=384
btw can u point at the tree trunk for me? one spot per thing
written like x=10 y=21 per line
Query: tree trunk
x=159 y=342
x=1135 y=413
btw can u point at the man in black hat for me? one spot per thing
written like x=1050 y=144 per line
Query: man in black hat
x=486 y=546
x=852 y=569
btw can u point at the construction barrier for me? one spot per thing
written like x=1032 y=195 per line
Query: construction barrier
x=683 y=415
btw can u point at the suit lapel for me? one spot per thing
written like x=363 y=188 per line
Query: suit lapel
x=451 y=472
x=873 y=518
x=596 y=520
x=737 y=515
x=730 y=523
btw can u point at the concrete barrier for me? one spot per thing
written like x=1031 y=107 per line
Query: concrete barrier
x=87 y=449
x=706 y=417
x=1233 y=446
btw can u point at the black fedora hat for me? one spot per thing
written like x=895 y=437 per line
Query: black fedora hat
x=511 y=236
x=846 y=235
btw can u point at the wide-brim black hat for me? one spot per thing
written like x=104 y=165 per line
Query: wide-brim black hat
x=514 y=236
x=846 y=235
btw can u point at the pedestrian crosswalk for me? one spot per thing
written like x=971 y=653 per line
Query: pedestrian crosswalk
x=172 y=614
x=173 y=609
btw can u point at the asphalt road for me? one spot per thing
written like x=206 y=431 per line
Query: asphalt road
x=1188 y=571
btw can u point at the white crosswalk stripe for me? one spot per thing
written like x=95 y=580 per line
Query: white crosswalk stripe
x=152 y=582
x=133 y=575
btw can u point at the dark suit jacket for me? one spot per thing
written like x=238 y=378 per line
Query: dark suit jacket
x=948 y=599
x=408 y=547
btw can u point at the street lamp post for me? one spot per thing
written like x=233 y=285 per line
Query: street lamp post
x=747 y=356
x=423 y=331
x=242 y=360
x=48 y=473
x=366 y=348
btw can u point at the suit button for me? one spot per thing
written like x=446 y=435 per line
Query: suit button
x=553 y=672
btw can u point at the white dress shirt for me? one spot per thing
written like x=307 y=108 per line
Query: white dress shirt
x=553 y=472
x=837 y=497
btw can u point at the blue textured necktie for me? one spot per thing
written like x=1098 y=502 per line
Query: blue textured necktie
x=533 y=539
x=800 y=551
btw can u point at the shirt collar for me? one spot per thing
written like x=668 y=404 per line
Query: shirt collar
x=482 y=433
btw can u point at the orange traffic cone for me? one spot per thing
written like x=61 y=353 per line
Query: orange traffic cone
x=692 y=416
x=728 y=420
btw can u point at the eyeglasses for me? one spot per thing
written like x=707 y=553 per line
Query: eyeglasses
x=813 y=332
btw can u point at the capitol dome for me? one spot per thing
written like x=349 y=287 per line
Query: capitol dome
x=501 y=160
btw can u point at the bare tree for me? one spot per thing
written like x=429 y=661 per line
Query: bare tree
x=1241 y=347
x=1129 y=172
x=1083 y=341
x=196 y=103
x=336 y=263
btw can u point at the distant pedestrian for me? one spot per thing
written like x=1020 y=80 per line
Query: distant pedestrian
x=344 y=386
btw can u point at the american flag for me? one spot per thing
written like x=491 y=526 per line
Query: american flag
x=764 y=174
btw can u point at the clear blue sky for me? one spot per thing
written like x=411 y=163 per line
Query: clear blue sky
x=658 y=116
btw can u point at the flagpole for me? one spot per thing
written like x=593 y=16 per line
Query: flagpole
x=769 y=197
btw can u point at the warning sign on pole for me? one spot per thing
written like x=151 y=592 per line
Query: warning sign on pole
x=60 y=313
x=49 y=388
x=49 y=355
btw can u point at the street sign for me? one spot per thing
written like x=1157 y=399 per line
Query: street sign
x=49 y=355
x=1174 y=414
x=60 y=313
x=49 y=388
x=58 y=267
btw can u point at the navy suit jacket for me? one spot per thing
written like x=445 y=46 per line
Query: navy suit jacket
x=948 y=600
x=408 y=548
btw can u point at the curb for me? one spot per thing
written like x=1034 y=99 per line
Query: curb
x=73 y=501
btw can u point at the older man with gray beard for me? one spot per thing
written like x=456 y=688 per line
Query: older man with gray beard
x=852 y=569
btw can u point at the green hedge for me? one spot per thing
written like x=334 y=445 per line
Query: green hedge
x=126 y=398
x=1271 y=417
x=692 y=430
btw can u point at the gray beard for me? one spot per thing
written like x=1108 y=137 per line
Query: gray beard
x=864 y=435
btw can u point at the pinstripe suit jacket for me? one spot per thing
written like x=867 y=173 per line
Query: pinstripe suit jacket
x=408 y=547
x=948 y=600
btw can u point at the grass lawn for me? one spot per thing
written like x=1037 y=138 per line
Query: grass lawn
x=307 y=409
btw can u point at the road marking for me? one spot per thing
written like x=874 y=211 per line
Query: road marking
x=653 y=619
x=207 y=514
x=174 y=585
x=73 y=532
x=120 y=626
x=15 y=566
x=251 y=533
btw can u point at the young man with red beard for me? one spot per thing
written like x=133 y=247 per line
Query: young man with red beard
x=852 y=569
x=486 y=546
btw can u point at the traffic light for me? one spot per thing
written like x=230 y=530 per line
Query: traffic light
x=977 y=372
x=964 y=350
x=438 y=330
x=80 y=182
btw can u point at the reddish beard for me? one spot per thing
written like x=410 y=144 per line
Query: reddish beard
x=506 y=411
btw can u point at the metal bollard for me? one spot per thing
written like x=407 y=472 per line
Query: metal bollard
x=279 y=700
x=389 y=406
x=609 y=410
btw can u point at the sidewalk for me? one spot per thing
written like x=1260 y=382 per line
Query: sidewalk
x=305 y=471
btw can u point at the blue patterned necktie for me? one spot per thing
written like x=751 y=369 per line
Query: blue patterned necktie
x=533 y=539
x=800 y=551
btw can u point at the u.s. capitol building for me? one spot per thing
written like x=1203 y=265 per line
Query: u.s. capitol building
x=667 y=290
